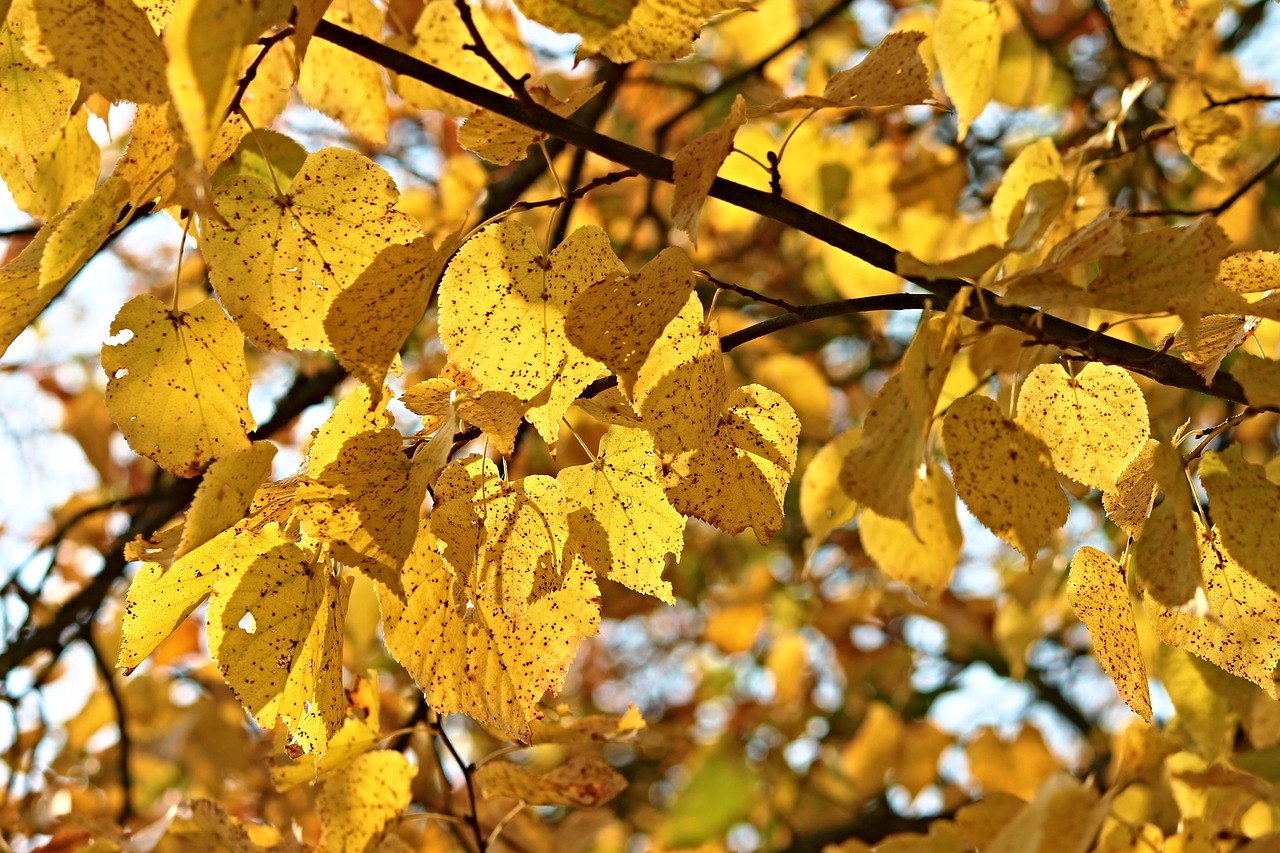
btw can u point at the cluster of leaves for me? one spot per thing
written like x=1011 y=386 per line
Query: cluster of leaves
x=542 y=429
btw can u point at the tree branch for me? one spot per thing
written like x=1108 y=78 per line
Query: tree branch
x=1163 y=368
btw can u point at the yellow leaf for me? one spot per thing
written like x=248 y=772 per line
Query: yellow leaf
x=358 y=412
x=364 y=505
x=1129 y=504
x=1064 y=817
x=695 y=167
x=1099 y=594
x=892 y=74
x=179 y=388
x=881 y=471
x=1167 y=558
x=275 y=631
x=161 y=597
x=496 y=413
x=348 y=88
x=824 y=506
x=570 y=16
x=1016 y=768
x=1238 y=632
x=921 y=554
x=868 y=757
x=922 y=745
x=225 y=493
x=502 y=141
x=788 y=663
x=368 y=323
x=64 y=171
x=504 y=540
x=658 y=30
x=1165 y=29
x=1246 y=512
x=562 y=727
x=1209 y=137
x=77 y=236
x=358 y=804
x=621 y=492
x=1217 y=336
x=282 y=161
x=1094 y=423
x=502 y=314
x=1020 y=216
x=35 y=100
x=966 y=40
x=468 y=657
x=209 y=827
x=360 y=732
x=1260 y=379
x=280 y=263
x=205 y=40
x=1199 y=692
x=1250 y=272
x=618 y=319
x=438 y=38
x=609 y=407
x=108 y=45
x=1004 y=475
x=581 y=782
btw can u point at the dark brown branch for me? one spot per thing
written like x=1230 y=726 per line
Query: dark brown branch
x=1223 y=206
x=1045 y=328
x=246 y=79
x=480 y=49
x=126 y=745
x=468 y=771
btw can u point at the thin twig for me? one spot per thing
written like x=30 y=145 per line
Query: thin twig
x=117 y=701
x=480 y=49
x=467 y=770
x=1208 y=436
x=247 y=78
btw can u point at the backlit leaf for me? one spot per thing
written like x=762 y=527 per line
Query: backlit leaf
x=275 y=631
x=966 y=40
x=34 y=100
x=582 y=781
x=1164 y=29
x=621 y=491
x=348 y=88
x=178 y=389
x=468 y=657
x=360 y=732
x=327 y=229
x=1004 y=474
x=502 y=310
x=921 y=554
x=594 y=19
x=502 y=141
x=1246 y=512
x=1250 y=272
x=1135 y=492
x=64 y=171
x=225 y=493
x=1099 y=595
x=1260 y=379
x=357 y=804
x=695 y=166
x=825 y=506
x=659 y=30
x=1016 y=212
x=1094 y=423
x=1167 y=558
x=617 y=320
x=496 y=413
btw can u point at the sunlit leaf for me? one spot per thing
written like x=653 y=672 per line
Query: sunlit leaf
x=581 y=781
x=966 y=40
x=921 y=554
x=1099 y=594
x=695 y=166
x=357 y=805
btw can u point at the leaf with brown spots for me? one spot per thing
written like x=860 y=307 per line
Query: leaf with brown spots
x=503 y=141
x=468 y=656
x=34 y=100
x=280 y=262
x=357 y=805
x=658 y=30
x=1246 y=512
x=1004 y=475
x=1099 y=594
x=1129 y=504
x=275 y=630
x=226 y=490
x=695 y=167
x=348 y=88
x=179 y=387
x=582 y=781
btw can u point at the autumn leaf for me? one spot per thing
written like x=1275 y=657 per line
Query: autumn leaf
x=1244 y=504
x=502 y=141
x=35 y=99
x=1030 y=197
x=924 y=553
x=1003 y=474
x=1167 y=558
x=1099 y=594
x=179 y=387
x=225 y=493
x=360 y=733
x=275 y=631
x=966 y=40
x=357 y=805
x=659 y=30
x=62 y=172
x=1163 y=29
x=502 y=315
x=695 y=166
x=824 y=506
x=348 y=89
x=320 y=236
x=468 y=657
x=1094 y=423
x=1129 y=504
x=581 y=781
x=621 y=492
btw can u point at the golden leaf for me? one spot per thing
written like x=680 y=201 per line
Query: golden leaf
x=1094 y=423
x=617 y=320
x=468 y=656
x=1020 y=215
x=35 y=99
x=1165 y=29
x=658 y=30
x=594 y=19
x=349 y=89
x=582 y=782
x=503 y=141
x=1250 y=272
x=496 y=413
x=561 y=727
x=921 y=554
x=360 y=732
x=326 y=230
x=225 y=493
x=1209 y=137
x=1016 y=767
x=1260 y=379
x=48 y=181
x=966 y=40
x=358 y=804
x=1246 y=512
x=502 y=314
x=621 y=493
x=179 y=388
x=1166 y=558
x=1129 y=504
x=1099 y=594
x=824 y=506
x=1004 y=475
x=695 y=166
x=275 y=630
